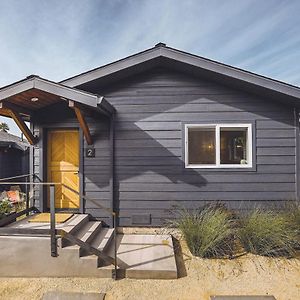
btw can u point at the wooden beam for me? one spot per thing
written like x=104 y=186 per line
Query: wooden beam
x=23 y=127
x=82 y=122
x=17 y=108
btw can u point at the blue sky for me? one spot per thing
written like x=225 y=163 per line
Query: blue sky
x=58 y=39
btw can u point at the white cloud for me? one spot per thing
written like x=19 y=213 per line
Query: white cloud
x=58 y=39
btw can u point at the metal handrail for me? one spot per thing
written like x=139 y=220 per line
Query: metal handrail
x=53 y=231
x=14 y=177
x=110 y=211
x=114 y=215
x=4 y=181
x=52 y=207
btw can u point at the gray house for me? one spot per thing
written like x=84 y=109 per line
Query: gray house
x=14 y=155
x=157 y=129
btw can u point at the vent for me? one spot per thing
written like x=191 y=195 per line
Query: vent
x=141 y=219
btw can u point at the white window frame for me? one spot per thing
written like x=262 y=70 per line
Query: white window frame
x=218 y=148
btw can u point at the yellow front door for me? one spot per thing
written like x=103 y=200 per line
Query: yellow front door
x=63 y=166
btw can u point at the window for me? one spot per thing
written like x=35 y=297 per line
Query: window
x=218 y=145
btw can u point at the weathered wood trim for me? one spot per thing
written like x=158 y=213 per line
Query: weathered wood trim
x=23 y=127
x=17 y=108
x=82 y=122
x=34 y=82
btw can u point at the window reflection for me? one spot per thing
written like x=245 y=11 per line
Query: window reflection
x=233 y=145
x=202 y=148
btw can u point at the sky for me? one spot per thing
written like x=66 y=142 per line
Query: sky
x=59 y=39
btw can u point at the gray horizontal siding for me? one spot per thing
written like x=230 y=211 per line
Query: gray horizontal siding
x=149 y=162
x=98 y=166
x=150 y=174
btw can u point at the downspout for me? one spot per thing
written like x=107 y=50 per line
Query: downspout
x=297 y=163
x=114 y=220
x=112 y=162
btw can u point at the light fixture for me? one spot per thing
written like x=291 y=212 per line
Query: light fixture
x=34 y=99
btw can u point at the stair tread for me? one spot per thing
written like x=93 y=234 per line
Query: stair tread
x=75 y=222
x=103 y=238
x=91 y=256
x=72 y=247
x=88 y=230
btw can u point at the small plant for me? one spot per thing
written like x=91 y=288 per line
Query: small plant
x=6 y=207
x=208 y=231
x=292 y=212
x=267 y=233
x=4 y=127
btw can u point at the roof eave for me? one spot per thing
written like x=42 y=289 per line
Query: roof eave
x=188 y=59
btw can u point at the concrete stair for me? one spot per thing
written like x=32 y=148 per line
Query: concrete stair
x=92 y=233
x=139 y=256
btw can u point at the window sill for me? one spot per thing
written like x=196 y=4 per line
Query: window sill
x=214 y=168
x=219 y=167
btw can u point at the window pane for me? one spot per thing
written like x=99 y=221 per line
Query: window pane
x=233 y=145
x=201 y=146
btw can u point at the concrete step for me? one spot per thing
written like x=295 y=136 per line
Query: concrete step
x=103 y=239
x=102 y=242
x=143 y=256
x=87 y=233
x=139 y=256
x=74 y=225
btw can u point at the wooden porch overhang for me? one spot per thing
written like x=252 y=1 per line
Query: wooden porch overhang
x=22 y=99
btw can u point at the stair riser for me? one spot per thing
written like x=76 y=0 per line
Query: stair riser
x=65 y=242
x=82 y=252
x=107 y=245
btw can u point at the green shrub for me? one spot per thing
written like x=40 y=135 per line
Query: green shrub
x=267 y=233
x=6 y=207
x=293 y=214
x=208 y=231
x=292 y=211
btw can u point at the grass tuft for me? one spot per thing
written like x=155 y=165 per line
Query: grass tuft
x=208 y=231
x=268 y=233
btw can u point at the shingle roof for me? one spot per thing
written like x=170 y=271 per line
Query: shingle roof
x=7 y=139
x=171 y=57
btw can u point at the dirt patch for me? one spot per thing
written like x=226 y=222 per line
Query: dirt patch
x=249 y=275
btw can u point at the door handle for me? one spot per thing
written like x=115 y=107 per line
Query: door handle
x=76 y=173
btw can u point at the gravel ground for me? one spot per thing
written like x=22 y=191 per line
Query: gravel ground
x=199 y=279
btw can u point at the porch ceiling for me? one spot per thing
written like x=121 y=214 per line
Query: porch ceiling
x=22 y=99
x=20 y=96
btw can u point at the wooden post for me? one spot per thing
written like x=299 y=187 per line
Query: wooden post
x=52 y=222
x=23 y=127
x=82 y=122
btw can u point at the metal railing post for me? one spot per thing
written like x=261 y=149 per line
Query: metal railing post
x=52 y=221
x=27 y=195
x=115 y=275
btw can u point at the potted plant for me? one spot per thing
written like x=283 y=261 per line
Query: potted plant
x=6 y=207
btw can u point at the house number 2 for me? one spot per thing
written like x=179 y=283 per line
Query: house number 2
x=90 y=152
